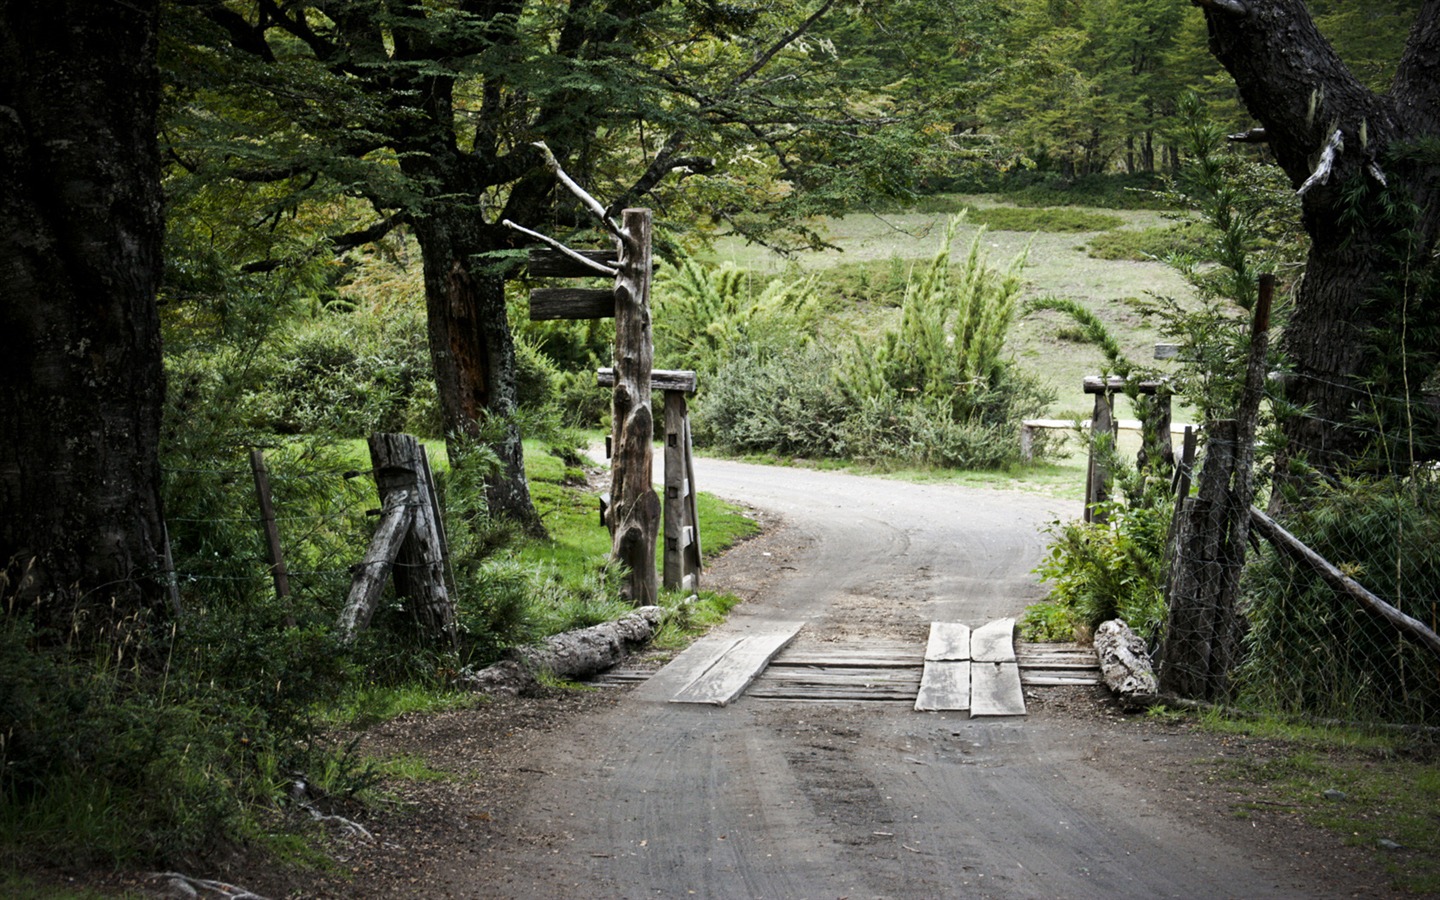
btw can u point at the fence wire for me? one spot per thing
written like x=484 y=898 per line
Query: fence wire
x=1295 y=642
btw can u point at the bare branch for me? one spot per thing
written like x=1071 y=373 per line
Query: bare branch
x=598 y=267
x=1327 y=162
x=584 y=196
x=338 y=242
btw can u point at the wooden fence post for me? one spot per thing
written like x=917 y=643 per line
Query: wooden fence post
x=1202 y=635
x=1097 y=473
x=635 y=508
x=268 y=528
x=409 y=541
x=682 y=533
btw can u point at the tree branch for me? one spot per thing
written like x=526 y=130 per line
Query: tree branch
x=590 y=202
x=599 y=267
x=764 y=58
x=337 y=243
x=1253 y=136
x=1321 y=175
x=665 y=162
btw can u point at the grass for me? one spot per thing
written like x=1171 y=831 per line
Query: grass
x=867 y=277
x=1388 y=789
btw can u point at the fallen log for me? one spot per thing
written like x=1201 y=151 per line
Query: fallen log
x=574 y=654
x=1125 y=663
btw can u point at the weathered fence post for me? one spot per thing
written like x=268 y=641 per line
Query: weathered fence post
x=273 y=554
x=635 y=508
x=1097 y=472
x=1202 y=635
x=682 y=531
x=408 y=541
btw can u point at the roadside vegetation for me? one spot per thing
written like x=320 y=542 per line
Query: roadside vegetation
x=926 y=298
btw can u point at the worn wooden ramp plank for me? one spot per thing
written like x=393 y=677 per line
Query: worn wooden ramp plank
x=692 y=662
x=945 y=684
x=995 y=689
x=993 y=642
x=727 y=676
x=949 y=642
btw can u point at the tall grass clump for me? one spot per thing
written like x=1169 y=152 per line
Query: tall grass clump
x=1311 y=650
x=936 y=389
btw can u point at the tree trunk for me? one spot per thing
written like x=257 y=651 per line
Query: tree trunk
x=473 y=351
x=81 y=381
x=1354 y=313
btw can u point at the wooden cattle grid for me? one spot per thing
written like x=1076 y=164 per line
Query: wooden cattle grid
x=875 y=671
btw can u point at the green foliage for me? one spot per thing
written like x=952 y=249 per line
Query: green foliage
x=936 y=390
x=1312 y=650
x=1101 y=572
x=1253 y=217
x=702 y=314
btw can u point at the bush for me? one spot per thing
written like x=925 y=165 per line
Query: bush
x=348 y=374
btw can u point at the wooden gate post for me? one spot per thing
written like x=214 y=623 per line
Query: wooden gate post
x=682 y=531
x=635 y=508
x=1202 y=634
x=1097 y=473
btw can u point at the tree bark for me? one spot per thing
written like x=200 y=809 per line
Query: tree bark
x=473 y=351
x=1350 y=310
x=81 y=382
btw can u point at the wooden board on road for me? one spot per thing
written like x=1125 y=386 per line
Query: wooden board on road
x=995 y=689
x=949 y=642
x=993 y=642
x=945 y=684
x=728 y=674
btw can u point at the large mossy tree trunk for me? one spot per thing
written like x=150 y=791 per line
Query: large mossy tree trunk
x=81 y=381
x=472 y=349
x=1361 y=328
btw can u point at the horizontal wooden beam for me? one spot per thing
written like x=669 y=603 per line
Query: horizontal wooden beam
x=1094 y=384
x=571 y=303
x=554 y=264
x=660 y=379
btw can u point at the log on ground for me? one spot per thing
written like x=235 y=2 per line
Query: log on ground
x=574 y=654
x=1125 y=663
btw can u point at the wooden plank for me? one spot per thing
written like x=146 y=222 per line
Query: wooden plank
x=1041 y=678
x=1094 y=384
x=728 y=676
x=994 y=642
x=949 y=641
x=822 y=696
x=995 y=689
x=692 y=662
x=660 y=379
x=547 y=304
x=944 y=685
x=554 y=264
x=849 y=660
x=839 y=675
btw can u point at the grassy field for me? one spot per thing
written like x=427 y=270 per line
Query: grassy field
x=878 y=250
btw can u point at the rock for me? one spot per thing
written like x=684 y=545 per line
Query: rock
x=1332 y=794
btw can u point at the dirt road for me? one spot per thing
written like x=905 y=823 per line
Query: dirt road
x=645 y=798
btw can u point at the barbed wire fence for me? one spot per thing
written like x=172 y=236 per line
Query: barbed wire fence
x=1330 y=607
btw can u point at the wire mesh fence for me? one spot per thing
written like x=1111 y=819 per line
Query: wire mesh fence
x=1334 y=612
